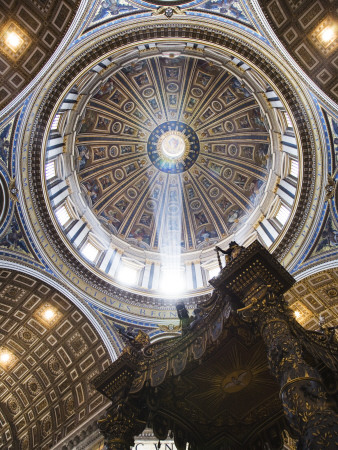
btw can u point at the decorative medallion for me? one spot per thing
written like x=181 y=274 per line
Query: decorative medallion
x=69 y=406
x=173 y=147
x=33 y=386
x=227 y=173
x=233 y=150
x=55 y=366
x=46 y=426
x=24 y=445
x=26 y=335
x=13 y=405
x=236 y=381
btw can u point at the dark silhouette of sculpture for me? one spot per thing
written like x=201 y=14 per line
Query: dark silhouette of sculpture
x=242 y=372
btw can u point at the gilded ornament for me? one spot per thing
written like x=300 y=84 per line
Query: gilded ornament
x=13 y=190
x=13 y=405
x=330 y=187
x=54 y=366
x=168 y=11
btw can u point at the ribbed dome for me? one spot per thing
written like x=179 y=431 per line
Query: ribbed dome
x=152 y=161
x=172 y=152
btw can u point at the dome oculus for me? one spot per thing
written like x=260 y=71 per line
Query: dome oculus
x=173 y=147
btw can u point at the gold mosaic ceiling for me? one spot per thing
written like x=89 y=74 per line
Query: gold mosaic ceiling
x=143 y=195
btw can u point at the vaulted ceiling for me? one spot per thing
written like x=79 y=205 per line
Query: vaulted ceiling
x=104 y=122
x=300 y=25
x=40 y=25
x=53 y=354
x=315 y=296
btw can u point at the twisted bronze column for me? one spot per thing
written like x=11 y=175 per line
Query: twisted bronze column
x=302 y=392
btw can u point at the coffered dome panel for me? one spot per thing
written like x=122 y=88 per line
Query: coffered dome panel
x=155 y=153
x=30 y=32
x=172 y=144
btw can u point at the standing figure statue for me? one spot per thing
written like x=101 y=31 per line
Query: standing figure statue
x=231 y=253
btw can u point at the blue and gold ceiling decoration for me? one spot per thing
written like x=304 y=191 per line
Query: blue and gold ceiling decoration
x=108 y=10
x=173 y=147
x=136 y=190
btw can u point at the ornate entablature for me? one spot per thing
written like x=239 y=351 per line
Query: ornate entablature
x=98 y=218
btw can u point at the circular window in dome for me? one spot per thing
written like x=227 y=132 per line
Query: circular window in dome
x=173 y=147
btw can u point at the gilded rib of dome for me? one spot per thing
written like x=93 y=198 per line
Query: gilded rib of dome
x=138 y=191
